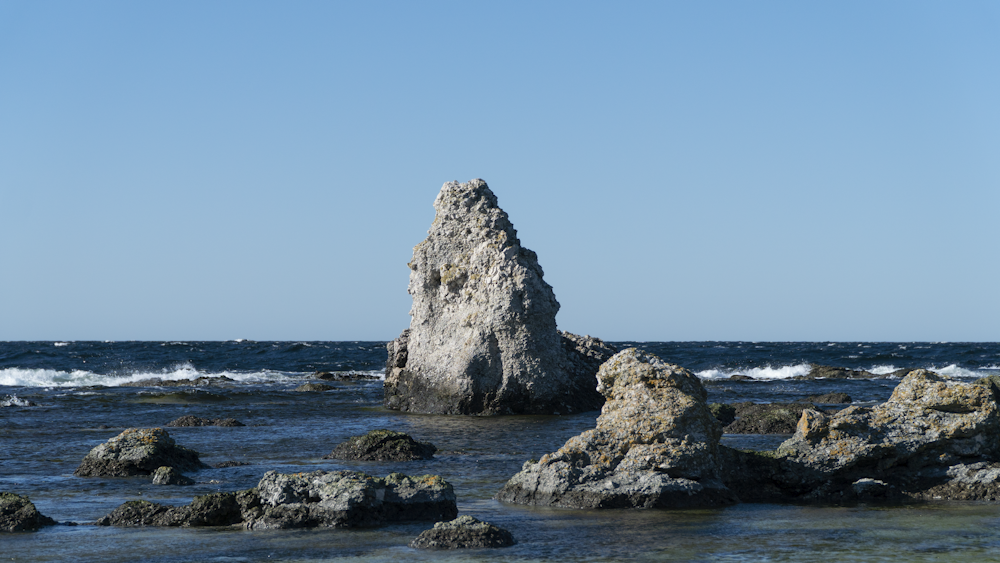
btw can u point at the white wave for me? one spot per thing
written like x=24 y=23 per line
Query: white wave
x=14 y=401
x=882 y=369
x=767 y=372
x=60 y=343
x=990 y=367
x=955 y=371
x=19 y=377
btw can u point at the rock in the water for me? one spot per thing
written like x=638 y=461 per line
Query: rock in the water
x=217 y=509
x=344 y=376
x=18 y=514
x=655 y=445
x=313 y=388
x=170 y=476
x=766 y=418
x=137 y=451
x=383 y=445
x=934 y=438
x=483 y=337
x=831 y=398
x=463 y=532
x=189 y=420
x=351 y=499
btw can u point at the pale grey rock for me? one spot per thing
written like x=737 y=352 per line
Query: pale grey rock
x=482 y=336
x=137 y=451
x=656 y=444
x=169 y=476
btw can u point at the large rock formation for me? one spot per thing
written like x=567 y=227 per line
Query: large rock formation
x=656 y=444
x=336 y=499
x=934 y=438
x=137 y=451
x=483 y=337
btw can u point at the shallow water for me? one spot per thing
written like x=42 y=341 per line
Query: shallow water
x=290 y=431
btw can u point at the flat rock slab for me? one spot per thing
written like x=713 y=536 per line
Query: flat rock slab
x=464 y=532
x=383 y=445
x=137 y=451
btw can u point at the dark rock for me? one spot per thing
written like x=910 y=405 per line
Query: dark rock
x=383 y=445
x=831 y=398
x=170 y=476
x=197 y=382
x=313 y=388
x=483 y=337
x=723 y=412
x=137 y=451
x=655 y=445
x=189 y=420
x=224 y=464
x=741 y=377
x=766 y=418
x=344 y=376
x=136 y=513
x=463 y=532
x=830 y=372
x=18 y=514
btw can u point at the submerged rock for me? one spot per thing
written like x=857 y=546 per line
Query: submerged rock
x=137 y=451
x=18 y=514
x=382 y=445
x=766 y=418
x=655 y=445
x=337 y=499
x=463 y=532
x=189 y=420
x=344 y=376
x=483 y=337
x=314 y=388
x=934 y=438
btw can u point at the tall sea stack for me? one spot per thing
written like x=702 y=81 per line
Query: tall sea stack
x=482 y=336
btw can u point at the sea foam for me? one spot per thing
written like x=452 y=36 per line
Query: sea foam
x=766 y=372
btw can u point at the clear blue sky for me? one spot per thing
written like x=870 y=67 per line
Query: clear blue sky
x=684 y=170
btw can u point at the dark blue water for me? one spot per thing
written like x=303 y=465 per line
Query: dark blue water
x=63 y=398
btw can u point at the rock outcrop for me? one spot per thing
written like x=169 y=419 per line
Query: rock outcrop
x=934 y=438
x=382 y=445
x=169 y=476
x=766 y=418
x=337 y=499
x=137 y=451
x=18 y=514
x=656 y=444
x=189 y=420
x=461 y=533
x=483 y=337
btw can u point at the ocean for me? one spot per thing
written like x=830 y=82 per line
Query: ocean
x=60 y=399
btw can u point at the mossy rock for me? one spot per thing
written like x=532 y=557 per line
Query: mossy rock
x=725 y=413
x=383 y=445
x=18 y=514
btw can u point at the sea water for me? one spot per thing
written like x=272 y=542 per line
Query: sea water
x=60 y=399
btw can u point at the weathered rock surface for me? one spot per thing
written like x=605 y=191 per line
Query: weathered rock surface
x=656 y=444
x=934 y=438
x=818 y=371
x=169 y=476
x=189 y=420
x=483 y=337
x=463 y=532
x=830 y=398
x=766 y=418
x=338 y=499
x=18 y=514
x=137 y=451
x=382 y=445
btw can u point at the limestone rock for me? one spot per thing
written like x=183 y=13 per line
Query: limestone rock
x=463 y=532
x=655 y=445
x=170 y=476
x=137 y=451
x=382 y=445
x=766 y=418
x=483 y=337
x=18 y=514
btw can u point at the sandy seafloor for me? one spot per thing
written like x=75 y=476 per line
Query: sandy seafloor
x=63 y=398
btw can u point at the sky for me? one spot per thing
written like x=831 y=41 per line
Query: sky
x=770 y=171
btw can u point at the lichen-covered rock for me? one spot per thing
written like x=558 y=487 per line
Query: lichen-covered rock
x=340 y=499
x=170 y=476
x=383 y=445
x=934 y=438
x=137 y=451
x=18 y=514
x=189 y=420
x=830 y=398
x=655 y=445
x=483 y=337
x=463 y=532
